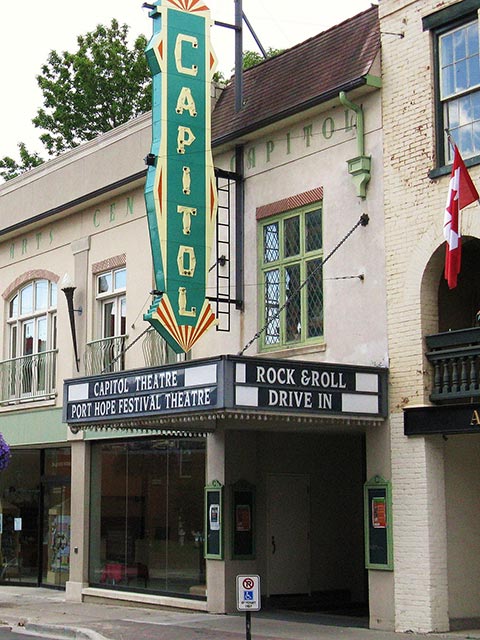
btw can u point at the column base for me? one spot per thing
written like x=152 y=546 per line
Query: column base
x=73 y=591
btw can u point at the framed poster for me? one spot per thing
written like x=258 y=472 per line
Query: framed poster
x=243 y=525
x=213 y=549
x=378 y=524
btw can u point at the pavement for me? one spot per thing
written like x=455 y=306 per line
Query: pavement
x=38 y=611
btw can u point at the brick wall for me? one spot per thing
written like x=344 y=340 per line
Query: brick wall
x=414 y=206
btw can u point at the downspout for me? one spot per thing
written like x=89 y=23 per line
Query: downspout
x=360 y=166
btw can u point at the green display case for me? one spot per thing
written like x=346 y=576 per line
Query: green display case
x=378 y=524
x=214 y=521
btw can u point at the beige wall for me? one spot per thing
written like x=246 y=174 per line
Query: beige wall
x=83 y=209
x=355 y=311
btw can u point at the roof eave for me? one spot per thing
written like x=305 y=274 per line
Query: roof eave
x=291 y=111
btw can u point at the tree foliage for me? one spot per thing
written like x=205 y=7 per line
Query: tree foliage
x=10 y=168
x=251 y=58
x=101 y=85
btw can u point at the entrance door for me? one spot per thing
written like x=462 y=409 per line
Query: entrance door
x=288 y=529
x=56 y=535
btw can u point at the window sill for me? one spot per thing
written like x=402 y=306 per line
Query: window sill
x=24 y=405
x=292 y=352
x=447 y=169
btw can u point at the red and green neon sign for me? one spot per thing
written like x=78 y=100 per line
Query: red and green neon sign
x=180 y=190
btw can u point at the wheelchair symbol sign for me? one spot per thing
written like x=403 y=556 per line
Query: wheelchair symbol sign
x=248 y=593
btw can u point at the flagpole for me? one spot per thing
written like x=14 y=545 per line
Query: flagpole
x=450 y=139
x=461 y=193
x=453 y=146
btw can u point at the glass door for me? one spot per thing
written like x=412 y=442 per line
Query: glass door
x=56 y=518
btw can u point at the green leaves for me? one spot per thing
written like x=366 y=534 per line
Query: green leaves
x=252 y=58
x=101 y=85
x=10 y=168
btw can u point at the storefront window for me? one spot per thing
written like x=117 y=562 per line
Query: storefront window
x=19 y=517
x=147 y=516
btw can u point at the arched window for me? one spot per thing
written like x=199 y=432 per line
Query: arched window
x=32 y=325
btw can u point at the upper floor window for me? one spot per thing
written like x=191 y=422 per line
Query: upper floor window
x=32 y=319
x=111 y=295
x=457 y=78
x=291 y=278
x=32 y=342
x=460 y=87
x=107 y=351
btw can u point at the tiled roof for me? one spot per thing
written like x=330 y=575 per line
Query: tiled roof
x=305 y=75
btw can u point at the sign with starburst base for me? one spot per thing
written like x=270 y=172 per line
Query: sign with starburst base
x=180 y=191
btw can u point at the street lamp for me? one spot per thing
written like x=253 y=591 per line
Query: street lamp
x=68 y=289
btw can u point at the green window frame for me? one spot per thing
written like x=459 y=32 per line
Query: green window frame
x=291 y=298
x=456 y=41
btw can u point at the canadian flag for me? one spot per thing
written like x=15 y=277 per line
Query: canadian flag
x=461 y=193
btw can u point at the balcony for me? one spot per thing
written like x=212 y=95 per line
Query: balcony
x=28 y=378
x=156 y=351
x=108 y=355
x=455 y=356
x=105 y=356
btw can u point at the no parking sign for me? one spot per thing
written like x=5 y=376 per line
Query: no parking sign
x=248 y=593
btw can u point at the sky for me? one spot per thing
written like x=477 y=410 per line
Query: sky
x=30 y=30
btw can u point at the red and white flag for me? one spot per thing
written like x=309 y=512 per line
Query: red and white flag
x=461 y=193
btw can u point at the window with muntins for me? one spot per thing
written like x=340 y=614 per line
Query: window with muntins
x=107 y=352
x=455 y=31
x=460 y=87
x=111 y=295
x=32 y=328
x=291 y=278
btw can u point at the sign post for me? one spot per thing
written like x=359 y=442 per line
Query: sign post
x=248 y=599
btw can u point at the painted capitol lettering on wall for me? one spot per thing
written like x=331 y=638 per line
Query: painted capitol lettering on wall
x=180 y=190
x=277 y=150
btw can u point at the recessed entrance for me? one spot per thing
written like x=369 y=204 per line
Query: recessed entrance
x=314 y=528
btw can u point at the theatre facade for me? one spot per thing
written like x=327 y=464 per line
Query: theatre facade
x=156 y=473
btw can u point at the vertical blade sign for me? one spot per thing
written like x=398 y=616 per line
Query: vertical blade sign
x=180 y=191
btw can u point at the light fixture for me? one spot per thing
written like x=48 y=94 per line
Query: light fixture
x=68 y=288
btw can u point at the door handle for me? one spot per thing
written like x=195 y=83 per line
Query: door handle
x=274 y=548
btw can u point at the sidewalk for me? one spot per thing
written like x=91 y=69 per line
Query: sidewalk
x=36 y=611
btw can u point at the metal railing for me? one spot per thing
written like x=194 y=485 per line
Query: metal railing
x=455 y=356
x=29 y=377
x=105 y=355
x=156 y=351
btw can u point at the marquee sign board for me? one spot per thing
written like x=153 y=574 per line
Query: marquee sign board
x=287 y=385
x=141 y=393
x=227 y=383
x=180 y=191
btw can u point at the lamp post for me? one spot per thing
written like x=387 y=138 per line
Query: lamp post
x=68 y=289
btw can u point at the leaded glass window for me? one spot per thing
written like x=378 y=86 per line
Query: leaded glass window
x=291 y=278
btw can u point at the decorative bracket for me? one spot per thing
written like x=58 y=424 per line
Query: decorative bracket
x=359 y=167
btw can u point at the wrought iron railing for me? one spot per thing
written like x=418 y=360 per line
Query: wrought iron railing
x=105 y=356
x=455 y=356
x=156 y=352
x=28 y=377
